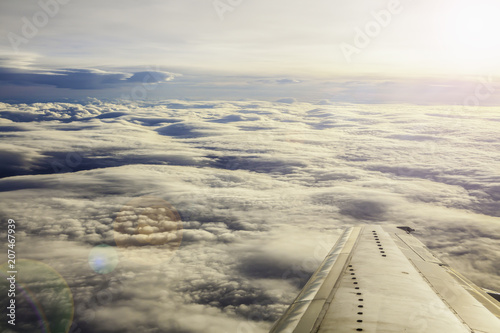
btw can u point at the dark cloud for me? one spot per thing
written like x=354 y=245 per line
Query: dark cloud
x=74 y=78
x=288 y=100
x=66 y=78
x=149 y=77
x=234 y=118
x=184 y=130
x=257 y=164
x=364 y=210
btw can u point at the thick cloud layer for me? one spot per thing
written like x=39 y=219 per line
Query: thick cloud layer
x=262 y=191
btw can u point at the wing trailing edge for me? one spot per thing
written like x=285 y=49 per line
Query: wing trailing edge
x=383 y=279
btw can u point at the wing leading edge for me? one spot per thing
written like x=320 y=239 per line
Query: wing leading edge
x=382 y=279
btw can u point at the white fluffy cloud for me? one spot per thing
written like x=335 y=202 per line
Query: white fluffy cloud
x=262 y=189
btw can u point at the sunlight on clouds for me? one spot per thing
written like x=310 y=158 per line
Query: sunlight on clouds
x=167 y=214
x=259 y=190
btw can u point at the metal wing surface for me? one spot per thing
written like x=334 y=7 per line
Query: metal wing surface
x=383 y=279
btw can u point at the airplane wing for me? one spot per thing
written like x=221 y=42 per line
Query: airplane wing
x=382 y=279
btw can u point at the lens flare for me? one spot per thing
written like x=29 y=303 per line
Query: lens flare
x=103 y=259
x=148 y=230
x=43 y=300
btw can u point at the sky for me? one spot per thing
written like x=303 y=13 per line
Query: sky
x=184 y=166
x=436 y=52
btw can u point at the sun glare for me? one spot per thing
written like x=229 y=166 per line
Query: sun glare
x=469 y=32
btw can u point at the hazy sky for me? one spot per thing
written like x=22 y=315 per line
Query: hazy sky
x=423 y=42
